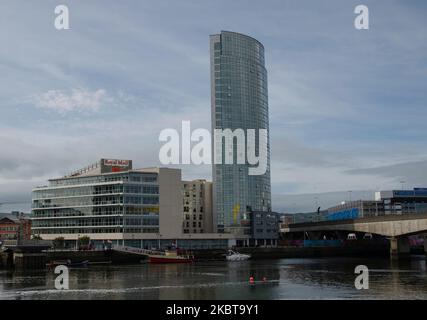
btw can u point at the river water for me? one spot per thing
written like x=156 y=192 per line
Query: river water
x=322 y=278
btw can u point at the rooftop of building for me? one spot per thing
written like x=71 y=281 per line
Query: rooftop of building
x=14 y=216
x=96 y=169
x=106 y=167
x=415 y=192
x=239 y=34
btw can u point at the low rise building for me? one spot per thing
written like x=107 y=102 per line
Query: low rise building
x=356 y=209
x=285 y=219
x=385 y=203
x=197 y=206
x=264 y=228
x=111 y=201
x=403 y=201
x=15 y=226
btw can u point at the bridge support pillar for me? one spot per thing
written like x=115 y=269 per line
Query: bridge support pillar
x=399 y=247
x=425 y=244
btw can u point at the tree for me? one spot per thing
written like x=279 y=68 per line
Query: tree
x=36 y=237
x=83 y=242
x=59 y=243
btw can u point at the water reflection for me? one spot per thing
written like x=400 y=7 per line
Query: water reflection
x=274 y=279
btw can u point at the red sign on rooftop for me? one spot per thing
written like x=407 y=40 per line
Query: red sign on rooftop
x=116 y=162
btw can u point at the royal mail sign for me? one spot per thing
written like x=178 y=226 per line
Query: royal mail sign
x=116 y=162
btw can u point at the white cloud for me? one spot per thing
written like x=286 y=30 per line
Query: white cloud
x=339 y=99
x=80 y=100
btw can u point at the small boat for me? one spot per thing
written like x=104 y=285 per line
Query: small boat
x=236 y=256
x=95 y=263
x=82 y=264
x=169 y=257
x=56 y=263
x=68 y=263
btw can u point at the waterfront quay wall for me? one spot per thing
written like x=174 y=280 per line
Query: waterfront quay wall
x=95 y=256
x=19 y=260
x=218 y=254
x=6 y=259
x=32 y=260
x=379 y=250
x=358 y=248
x=35 y=261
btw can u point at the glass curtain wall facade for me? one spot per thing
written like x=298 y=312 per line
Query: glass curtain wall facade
x=107 y=203
x=239 y=99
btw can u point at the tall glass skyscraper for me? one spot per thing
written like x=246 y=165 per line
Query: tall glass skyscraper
x=239 y=99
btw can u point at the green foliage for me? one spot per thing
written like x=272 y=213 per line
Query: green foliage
x=59 y=243
x=84 y=240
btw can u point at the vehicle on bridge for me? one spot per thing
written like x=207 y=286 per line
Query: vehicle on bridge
x=351 y=236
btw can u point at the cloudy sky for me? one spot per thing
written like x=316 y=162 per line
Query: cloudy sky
x=347 y=107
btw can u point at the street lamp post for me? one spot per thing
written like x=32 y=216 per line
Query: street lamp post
x=160 y=236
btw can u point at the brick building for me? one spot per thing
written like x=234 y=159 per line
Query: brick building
x=15 y=227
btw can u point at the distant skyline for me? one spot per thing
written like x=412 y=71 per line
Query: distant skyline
x=347 y=107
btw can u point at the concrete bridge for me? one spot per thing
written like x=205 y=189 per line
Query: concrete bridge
x=395 y=227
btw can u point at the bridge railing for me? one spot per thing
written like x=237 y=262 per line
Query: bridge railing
x=309 y=217
x=323 y=216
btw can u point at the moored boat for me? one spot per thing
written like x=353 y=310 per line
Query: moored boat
x=67 y=263
x=170 y=257
x=236 y=256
